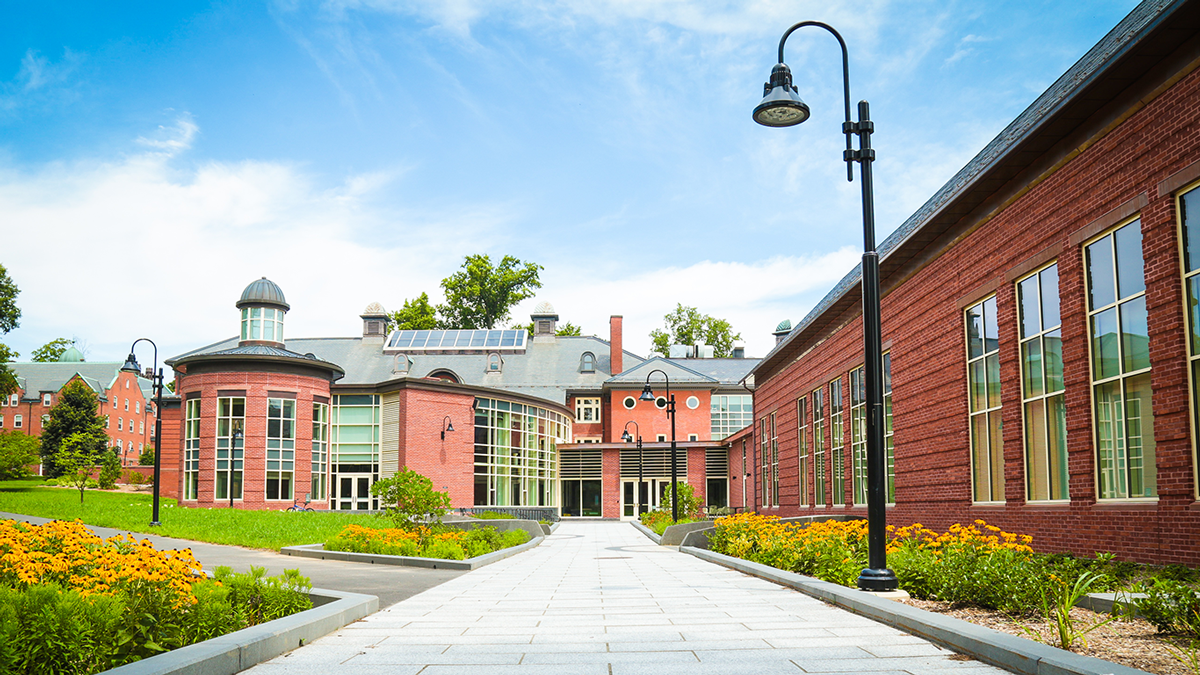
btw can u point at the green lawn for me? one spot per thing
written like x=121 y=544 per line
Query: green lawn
x=126 y=511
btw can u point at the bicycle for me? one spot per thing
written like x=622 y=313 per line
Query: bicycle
x=298 y=507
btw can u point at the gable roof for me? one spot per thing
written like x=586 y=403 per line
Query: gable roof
x=35 y=378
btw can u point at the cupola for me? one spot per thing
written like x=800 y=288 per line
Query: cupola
x=545 y=321
x=782 y=330
x=71 y=355
x=374 y=322
x=263 y=307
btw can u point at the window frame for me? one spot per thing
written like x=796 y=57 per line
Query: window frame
x=802 y=449
x=235 y=454
x=820 y=494
x=1044 y=398
x=191 y=449
x=284 y=471
x=1193 y=349
x=585 y=404
x=987 y=411
x=837 y=442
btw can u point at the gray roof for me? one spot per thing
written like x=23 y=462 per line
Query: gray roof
x=714 y=373
x=36 y=378
x=547 y=370
x=1131 y=49
x=263 y=292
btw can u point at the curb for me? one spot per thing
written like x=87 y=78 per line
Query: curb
x=235 y=652
x=647 y=531
x=1006 y=651
x=318 y=551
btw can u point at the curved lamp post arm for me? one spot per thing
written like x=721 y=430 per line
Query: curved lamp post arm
x=848 y=126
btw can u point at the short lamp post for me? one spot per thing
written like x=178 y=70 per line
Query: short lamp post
x=627 y=438
x=236 y=444
x=447 y=425
x=648 y=395
x=781 y=107
x=131 y=366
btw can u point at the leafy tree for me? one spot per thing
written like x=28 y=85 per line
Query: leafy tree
x=52 y=350
x=416 y=314
x=74 y=413
x=147 y=456
x=17 y=451
x=110 y=469
x=687 y=326
x=480 y=295
x=10 y=318
x=567 y=328
x=77 y=454
x=408 y=498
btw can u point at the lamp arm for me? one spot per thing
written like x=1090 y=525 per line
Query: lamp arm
x=847 y=128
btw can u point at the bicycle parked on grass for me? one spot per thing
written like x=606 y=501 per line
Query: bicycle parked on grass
x=299 y=507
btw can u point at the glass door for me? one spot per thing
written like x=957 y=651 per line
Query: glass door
x=352 y=492
x=636 y=498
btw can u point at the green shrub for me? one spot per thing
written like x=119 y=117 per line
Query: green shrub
x=110 y=470
x=408 y=498
x=445 y=550
x=1171 y=606
x=494 y=515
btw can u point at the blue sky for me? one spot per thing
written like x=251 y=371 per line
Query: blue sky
x=156 y=158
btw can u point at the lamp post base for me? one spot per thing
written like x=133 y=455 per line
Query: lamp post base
x=155 y=523
x=878 y=580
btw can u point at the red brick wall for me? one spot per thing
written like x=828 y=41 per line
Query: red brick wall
x=924 y=324
x=449 y=463
x=169 y=468
x=652 y=421
x=256 y=386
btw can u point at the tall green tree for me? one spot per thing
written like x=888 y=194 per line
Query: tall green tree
x=17 y=452
x=52 y=350
x=567 y=328
x=75 y=413
x=480 y=295
x=78 y=454
x=10 y=318
x=687 y=326
x=416 y=314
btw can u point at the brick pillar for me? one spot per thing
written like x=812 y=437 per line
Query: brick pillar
x=615 y=348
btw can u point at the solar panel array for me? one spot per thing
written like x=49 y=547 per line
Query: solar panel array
x=456 y=340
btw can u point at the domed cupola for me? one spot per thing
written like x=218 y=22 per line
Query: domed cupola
x=71 y=355
x=263 y=307
x=545 y=321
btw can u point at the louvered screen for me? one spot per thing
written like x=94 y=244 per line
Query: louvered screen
x=579 y=464
x=716 y=463
x=656 y=462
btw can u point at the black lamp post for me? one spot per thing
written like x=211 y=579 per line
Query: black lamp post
x=235 y=443
x=447 y=425
x=648 y=395
x=131 y=366
x=781 y=107
x=627 y=438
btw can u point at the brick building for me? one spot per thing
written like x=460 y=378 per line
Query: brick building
x=125 y=400
x=1039 y=323
x=496 y=418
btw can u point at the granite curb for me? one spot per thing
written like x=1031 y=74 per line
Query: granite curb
x=235 y=652
x=1010 y=652
x=318 y=551
x=646 y=531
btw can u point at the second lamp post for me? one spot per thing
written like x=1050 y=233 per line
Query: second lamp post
x=648 y=395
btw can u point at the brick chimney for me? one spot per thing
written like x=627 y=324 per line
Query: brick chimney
x=615 y=347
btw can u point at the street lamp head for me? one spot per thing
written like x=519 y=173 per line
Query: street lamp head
x=626 y=437
x=647 y=393
x=781 y=105
x=131 y=365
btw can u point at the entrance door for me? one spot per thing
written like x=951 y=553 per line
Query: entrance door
x=635 y=495
x=353 y=492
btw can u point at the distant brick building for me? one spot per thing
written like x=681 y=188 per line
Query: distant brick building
x=1040 y=324
x=495 y=418
x=125 y=400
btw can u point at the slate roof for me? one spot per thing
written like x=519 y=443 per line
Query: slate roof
x=716 y=373
x=36 y=378
x=1152 y=30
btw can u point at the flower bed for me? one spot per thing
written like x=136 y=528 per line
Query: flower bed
x=71 y=602
x=425 y=542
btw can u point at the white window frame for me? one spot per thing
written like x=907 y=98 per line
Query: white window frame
x=46 y=399
x=986 y=411
x=585 y=407
x=1036 y=397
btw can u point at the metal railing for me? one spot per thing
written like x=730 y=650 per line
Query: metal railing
x=521 y=512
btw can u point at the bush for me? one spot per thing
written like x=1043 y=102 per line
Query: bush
x=110 y=470
x=1171 y=606
x=442 y=542
x=17 y=452
x=408 y=498
x=494 y=515
x=146 y=458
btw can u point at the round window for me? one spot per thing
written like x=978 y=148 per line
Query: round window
x=630 y=402
x=693 y=403
x=660 y=402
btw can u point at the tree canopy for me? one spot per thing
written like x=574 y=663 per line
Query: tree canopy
x=687 y=326
x=52 y=350
x=481 y=296
x=567 y=328
x=75 y=413
x=10 y=318
x=416 y=314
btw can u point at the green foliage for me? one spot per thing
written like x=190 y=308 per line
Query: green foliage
x=408 y=498
x=690 y=506
x=75 y=413
x=110 y=469
x=439 y=542
x=493 y=515
x=480 y=295
x=78 y=455
x=1171 y=606
x=52 y=350
x=416 y=314
x=687 y=326
x=257 y=598
x=146 y=458
x=8 y=378
x=17 y=451
x=1058 y=597
x=658 y=521
x=10 y=315
x=567 y=329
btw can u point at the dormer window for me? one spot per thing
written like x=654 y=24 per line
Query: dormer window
x=587 y=363
x=495 y=363
x=262 y=323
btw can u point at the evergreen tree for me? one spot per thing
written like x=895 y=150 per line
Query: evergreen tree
x=75 y=413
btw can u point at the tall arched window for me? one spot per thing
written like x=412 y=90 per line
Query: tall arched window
x=587 y=363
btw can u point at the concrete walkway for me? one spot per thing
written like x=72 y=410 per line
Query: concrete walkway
x=601 y=599
x=390 y=584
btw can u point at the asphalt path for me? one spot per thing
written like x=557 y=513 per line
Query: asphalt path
x=389 y=583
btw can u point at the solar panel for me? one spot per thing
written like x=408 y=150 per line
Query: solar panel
x=456 y=340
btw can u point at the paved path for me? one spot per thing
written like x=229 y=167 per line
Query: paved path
x=601 y=599
x=390 y=584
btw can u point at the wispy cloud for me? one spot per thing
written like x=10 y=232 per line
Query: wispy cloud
x=964 y=48
x=38 y=78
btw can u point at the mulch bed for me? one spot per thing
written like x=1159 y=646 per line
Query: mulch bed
x=1129 y=642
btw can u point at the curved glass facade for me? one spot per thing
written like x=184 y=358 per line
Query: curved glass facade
x=516 y=453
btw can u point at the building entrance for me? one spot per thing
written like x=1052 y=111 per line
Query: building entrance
x=647 y=494
x=352 y=492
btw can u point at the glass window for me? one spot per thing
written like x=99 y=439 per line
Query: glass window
x=764 y=460
x=858 y=432
x=837 y=442
x=45 y=399
x=587 y=363
x=231 y=421
x=516 y=455
x=1189 y=226
x=120 y=424
x=191 y=450
x=802 y=448
x=16 y=421
x=983 y=394
x=320 y=451
x=281 y=447
x=587 y=410
x=137 y=407
x=889 y=445
x=1042 y=389
x=730 y=413
x=819 y=475
x=1120 y=342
